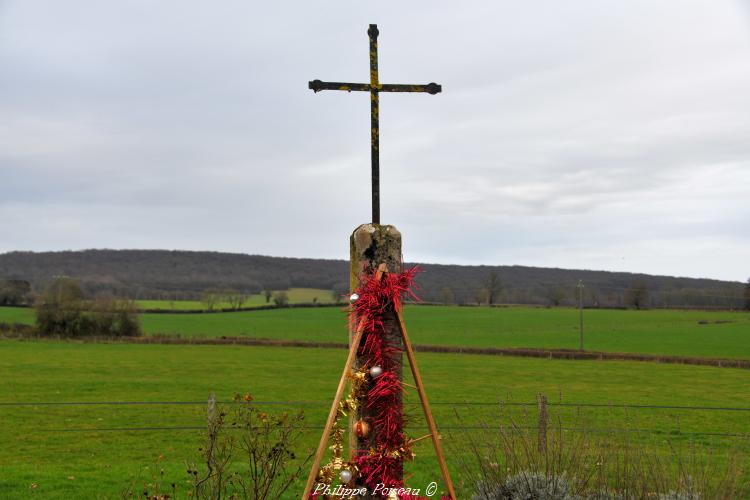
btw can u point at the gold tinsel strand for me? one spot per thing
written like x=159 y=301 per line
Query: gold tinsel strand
x=327 y=473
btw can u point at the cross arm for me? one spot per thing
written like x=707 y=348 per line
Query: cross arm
x=317 y=86
x=430 y=88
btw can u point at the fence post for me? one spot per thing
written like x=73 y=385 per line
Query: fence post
x=580 y=312
x=211 y=409
x=543 y=421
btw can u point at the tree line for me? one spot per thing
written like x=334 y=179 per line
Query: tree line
x=183 y=275
x=635 y=295
x=236 y=299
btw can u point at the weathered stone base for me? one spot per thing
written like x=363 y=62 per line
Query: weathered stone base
x=371 y=245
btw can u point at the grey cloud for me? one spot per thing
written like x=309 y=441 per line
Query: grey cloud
x=586 y=134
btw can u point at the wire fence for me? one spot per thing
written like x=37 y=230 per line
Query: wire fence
x=425 y=428
x=450 y=428
x=432 y=403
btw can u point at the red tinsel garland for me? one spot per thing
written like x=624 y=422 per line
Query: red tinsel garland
x=383 y=464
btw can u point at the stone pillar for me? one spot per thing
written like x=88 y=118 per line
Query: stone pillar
x=371 y=245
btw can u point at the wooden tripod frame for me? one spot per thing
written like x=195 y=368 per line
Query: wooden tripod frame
x=420 y=389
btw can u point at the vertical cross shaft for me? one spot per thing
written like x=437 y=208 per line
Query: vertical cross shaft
x=374 y=123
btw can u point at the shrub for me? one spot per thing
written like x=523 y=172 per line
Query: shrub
x=248 y=454
x=526 y=486
x=677 y=495
x=281 y=299
x=63 y=310
x=550 y=462
x=15 y=292
x=60 y=309
x=114 y=318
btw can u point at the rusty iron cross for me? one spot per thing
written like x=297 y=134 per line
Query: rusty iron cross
x=374 y=88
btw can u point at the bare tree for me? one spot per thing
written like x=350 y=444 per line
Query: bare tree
x=281 y=299
x=210 y=298
x=339 y=291
x=593 y=294
x=493 y=286
x=637 y=295
x=447 y=296
x=267 y=294
x=555 y=296
x=235 y=298
x=481 y=295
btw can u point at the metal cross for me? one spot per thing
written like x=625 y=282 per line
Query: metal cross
x=374 y=88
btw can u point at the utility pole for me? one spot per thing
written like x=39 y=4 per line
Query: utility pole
x=580 y=310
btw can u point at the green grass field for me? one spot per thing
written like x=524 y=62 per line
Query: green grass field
x=17 y=315
x=673 y=332
x=296 y=296
x=59 y=449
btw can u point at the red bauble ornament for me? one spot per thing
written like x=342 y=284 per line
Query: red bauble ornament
x=361 y=429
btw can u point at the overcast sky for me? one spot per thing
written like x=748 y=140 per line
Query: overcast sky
x=581 y=134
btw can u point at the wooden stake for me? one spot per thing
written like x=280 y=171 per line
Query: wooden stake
x=337 y=399
x=419 y=387
x=412 y=441
x=425 y=406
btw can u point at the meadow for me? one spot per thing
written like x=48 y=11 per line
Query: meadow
x=719 y=334
x=97 y=450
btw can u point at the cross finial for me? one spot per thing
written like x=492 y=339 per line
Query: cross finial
x=374 y=88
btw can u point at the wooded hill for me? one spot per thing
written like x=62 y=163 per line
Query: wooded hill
x=154 y=274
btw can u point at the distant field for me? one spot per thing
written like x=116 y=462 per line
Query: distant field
x=59 y=449
x=296 y=296
x=676 y=332
x=17 y=315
